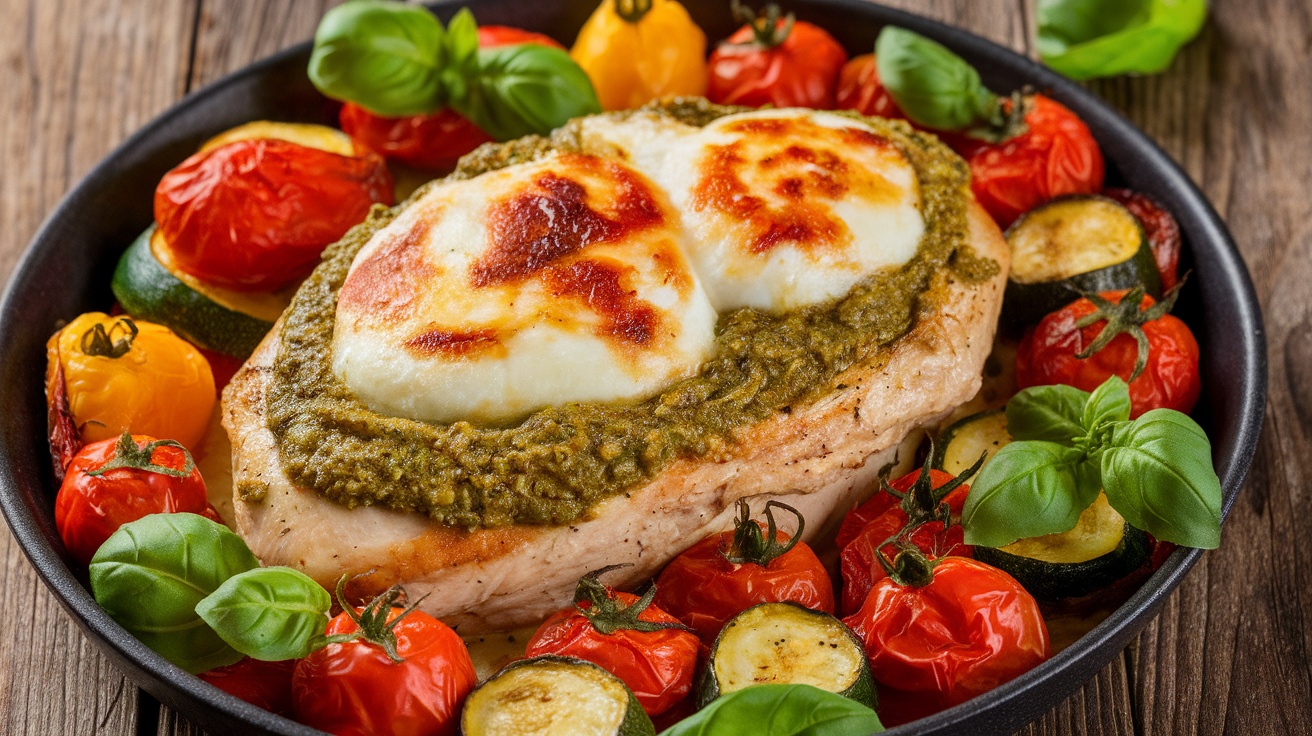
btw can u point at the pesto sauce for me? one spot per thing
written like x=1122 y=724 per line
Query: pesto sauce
x=560 y=461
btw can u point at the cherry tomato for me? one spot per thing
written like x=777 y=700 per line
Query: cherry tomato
x=703 y=588
x=357 y=688
x=147 y=477
x=776 y=61
x=867 y=512
x=966 y=629
x=1056 y=156
x=860 y=566
x=657 y=664
x=267 y=685
x=436 y=140
x=1169 y=380
x=254 y=215
x=859 y=89
x=1162 y=230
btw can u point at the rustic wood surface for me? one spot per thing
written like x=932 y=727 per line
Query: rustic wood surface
x=1229 y=652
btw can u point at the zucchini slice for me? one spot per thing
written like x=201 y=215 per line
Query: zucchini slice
x=790 y=644
x=149 y=287
x=960 y=445
x=550 y=696
x=1101 y=549
x=309 y=135
x=1074 y=244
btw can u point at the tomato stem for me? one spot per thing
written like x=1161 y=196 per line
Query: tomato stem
x=750 y=545
x=1126 y=317
x=632 y=11
x=101 y=342
x=1003 y=118
x=604 y=611
x=372 y=624
x=923 y=502
x=766 y=29
x=128 y=454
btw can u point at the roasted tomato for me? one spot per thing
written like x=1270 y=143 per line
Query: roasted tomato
x=727 y=573
x=646 y=647
x=1098 y=336
x=389 y=671
x=438 y=139
x=112 y=482
x=1056 y=155
x=775 y=60
x=859 y=89
x=927 y=505
x=254 y=215
x=267 y=685
x=1162 y=230
x=109 y=375
x=938 y=633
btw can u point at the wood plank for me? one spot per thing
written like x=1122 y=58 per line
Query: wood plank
x=80 y=76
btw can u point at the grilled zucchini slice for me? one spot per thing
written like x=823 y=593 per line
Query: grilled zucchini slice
x=960 y=445
x=553 y=696
x=1101 y=549
x=786 y=643
x=1074 y=244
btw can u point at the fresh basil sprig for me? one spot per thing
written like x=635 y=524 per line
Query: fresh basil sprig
x=396 y=59
x=938 y=89
x=1084 y=39
x=1156 y=470
x=150 y=575
x=269 y=613
x=780 y=710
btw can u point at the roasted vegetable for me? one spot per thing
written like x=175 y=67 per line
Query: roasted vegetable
x=636 y=51
x=960 y=445
x=548 y=695
x=775 y=60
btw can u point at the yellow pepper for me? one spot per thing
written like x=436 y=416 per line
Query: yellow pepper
x=123 y=375
x=635 y=51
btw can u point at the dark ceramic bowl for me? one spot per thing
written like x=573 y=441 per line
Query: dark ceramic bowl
x=66 y=271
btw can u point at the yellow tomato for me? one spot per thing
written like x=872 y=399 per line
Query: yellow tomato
x=635 y=51
x=124 y=375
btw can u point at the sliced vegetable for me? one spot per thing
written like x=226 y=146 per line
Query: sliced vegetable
x=123 y=375
x=1162 y=230
x=321 y=137
x=775 y=60
x=636 y=51
x=784 y=643
x=550 y=695
x=1101 y=549
x=1085 y=39
x=1073 y=245
x=961 y=445
x=152 y=572
x=113 y=482
x=212 y=318
x=1116 y=333
x=727 y=573
x=780 y=710
x=647 y=648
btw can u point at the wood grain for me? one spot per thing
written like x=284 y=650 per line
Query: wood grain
x=1229 y=652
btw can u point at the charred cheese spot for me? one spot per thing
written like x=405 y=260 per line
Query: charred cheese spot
x=539 y=284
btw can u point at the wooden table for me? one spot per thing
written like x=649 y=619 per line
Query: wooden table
x=1230 y=651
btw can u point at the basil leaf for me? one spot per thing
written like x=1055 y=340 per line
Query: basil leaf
x=269 y=613
x=524 y=89
x=1084 y=39
x=1157 y=472
x=1048 y=413
x=933 y=86
x=385 y=56
x=150 y=574
x=1110 y=402
x=780 y=710
x=1027 y=489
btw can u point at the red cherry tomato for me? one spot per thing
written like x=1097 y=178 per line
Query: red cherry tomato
x=356 y=689
x=968 y=629
x=267 y=685
x=436 y=140
x=867 y=512
x=1161 y=228
x=770 y=62
x=858 y=561
x=703 y=589
x=89 y=508
x=1056 y=156
x=255 y=214
x=859 y=89
x=657 y=666
x=1047 y=355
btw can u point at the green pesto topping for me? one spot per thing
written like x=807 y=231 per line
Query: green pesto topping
x=559 y=462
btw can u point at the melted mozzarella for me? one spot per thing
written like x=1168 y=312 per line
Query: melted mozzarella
x=540 y=284
x=783 y=208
